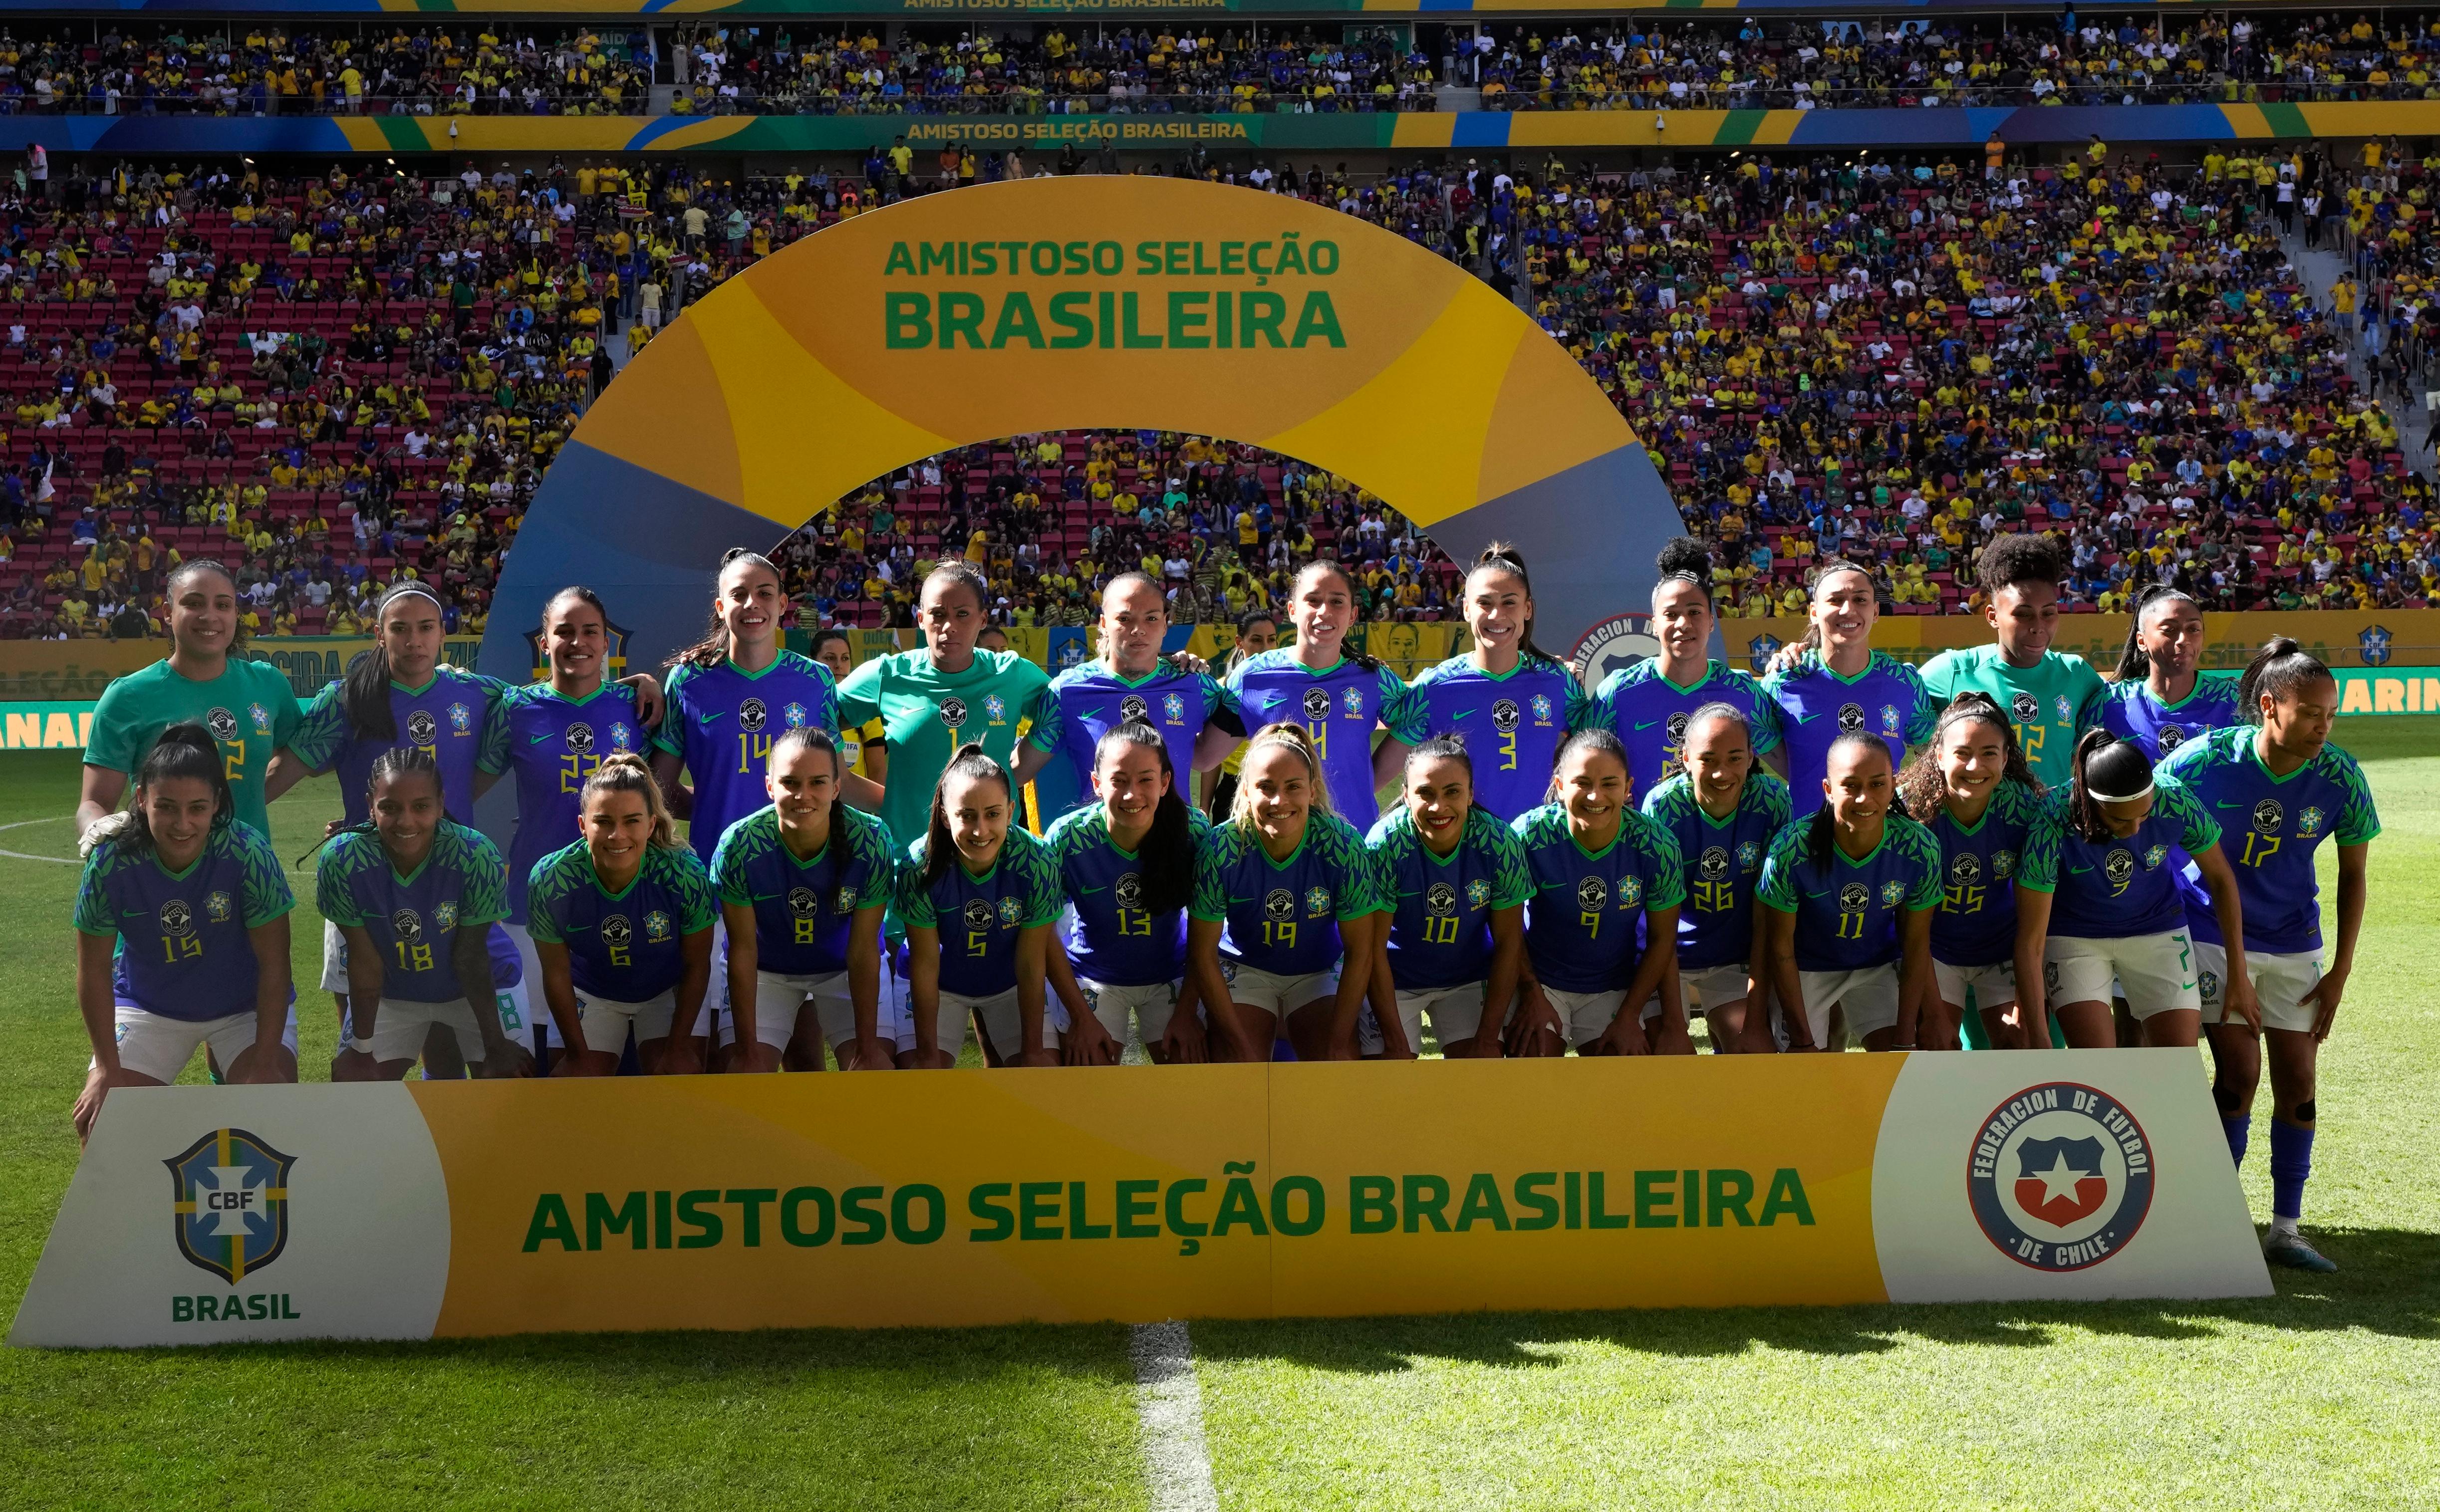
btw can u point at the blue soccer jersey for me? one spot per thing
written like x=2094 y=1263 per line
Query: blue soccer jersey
x=1648 y=713
x=804 y=909
x=623 y=946
x=980 y=917
x=1512 y=723
x=722 y=720
x=553 y=743
x=1977 y=922
x=415 y=920
x=1441 y=906
x=1817 y=706
x=1722 y=859
x=2112 y=887
x=1338 y=708
x=2131 y=710
x=447 y=717
x=183 y=951
x=1112 y=938
x=1283 y=916
x=1847 y=908
x=1086 y=702
x=2283 y=821
x=1583 y=923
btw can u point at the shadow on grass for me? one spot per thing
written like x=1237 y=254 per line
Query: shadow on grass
x=2390 y=1285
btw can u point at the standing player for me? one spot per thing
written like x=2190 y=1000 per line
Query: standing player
x=1601 y=926
x=1647 y=705
x=977 y=895
x=1194 y=716
x=1837 y=685
x=1126 y=868
x=182 y=933
x=1280 y=930
x=1453 y=875
x=2051 y=696
x=1506 y=696
x=1335 y=695
x=803 y=883
x=1972 y=790
x=415 y=895
x=2097 y=901
x=1846 y=898
x=1722 y=810
x=1257 y=631
x=622 y=922
x=246 y=707
x=861 y=749
x=553 y=736
x=931 y=701
x=2279 y=775
x=2160 y=701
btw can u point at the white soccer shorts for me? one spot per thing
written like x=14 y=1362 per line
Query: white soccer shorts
x=2280 y=984
x=2156 y=972
x=157 y=1045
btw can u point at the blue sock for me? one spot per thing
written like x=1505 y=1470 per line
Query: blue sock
x=2237 y=1129
x=2291 y=1161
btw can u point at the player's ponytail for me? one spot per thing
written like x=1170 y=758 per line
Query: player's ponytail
x=626 y=773
x=184 y=751
x=1503 y=559
x=1297 y=738
x=714 y=648
x=2107 y=770
x=363 y=691
x=2134 y=662
x=1685 y=560
x=2282 y=669
x=1168 y=851
x=940 y=846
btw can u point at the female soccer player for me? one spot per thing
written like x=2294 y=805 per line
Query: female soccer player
x=1281 y=928
x=977 y=895
x=1453 y=876
x=861 y=748
x=182 y=933
x=2158 y=700
x=2293 y=789
x=1505 y=697
x=1722 y=811
x=246 y=707
x=622 y=922
x=1979 y=799
x=2051 y=696
x=1126 y=868
x=1647 y=705
x=553 y=736
x=949 y=694
x=1846 y=898
x=1599 y=869
x=1839 y=685
x=803 y=883
x=1175 y=697
x=2097 y=899
x=415 y=895
x=1335 y=695
x=1257 y=631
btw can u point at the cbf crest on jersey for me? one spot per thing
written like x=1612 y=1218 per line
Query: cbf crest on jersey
x=995 y=708
x=2059 y=1176
x=1173 y=708
x=229 y=1203
x=462 y=719
x=1613 y=645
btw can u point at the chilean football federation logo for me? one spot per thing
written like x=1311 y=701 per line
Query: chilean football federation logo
x=2060 y=1176
x=1613 y=645
x=228 y=1203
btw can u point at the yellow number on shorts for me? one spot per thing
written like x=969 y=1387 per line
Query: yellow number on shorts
x=173 y=948
x=2259 y=848
x=414 y=957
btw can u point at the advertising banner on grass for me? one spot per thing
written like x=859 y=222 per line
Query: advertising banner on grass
x=432 y=1210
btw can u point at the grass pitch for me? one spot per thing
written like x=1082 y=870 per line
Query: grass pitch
x=2327 y=1396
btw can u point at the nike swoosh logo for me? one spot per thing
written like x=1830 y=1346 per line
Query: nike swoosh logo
x=710 y=718
x=1645 y=724
x=2221 y=803
x=537 y=740
x=1092 y=890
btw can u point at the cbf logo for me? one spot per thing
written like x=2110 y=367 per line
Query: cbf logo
x=228 y=1203
x=1173 y=708
x=2308 y=822
x=2060 y=1176
x=1352 y=699
x=1317 y=901
x=1760 y=650
x=261 y=716
x=795 y=715
x=1541 y=707
x=1892 y=893
x=462 y=719
x=1749 y=855
x=2373 y=645
x=1613 y=645
x=1478 y=894
x=995 y=708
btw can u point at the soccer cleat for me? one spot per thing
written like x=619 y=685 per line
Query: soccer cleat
x=2292 y=1251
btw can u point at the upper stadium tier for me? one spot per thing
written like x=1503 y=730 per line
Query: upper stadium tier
x=1261 y=79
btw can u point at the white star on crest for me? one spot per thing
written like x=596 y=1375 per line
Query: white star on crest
x=2060 y=1180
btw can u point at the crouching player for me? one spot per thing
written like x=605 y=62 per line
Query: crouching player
x=415 y=896
x=1454 y=879
x=1847 y=897
x=1972 y=789
x=803 y=886
x=979 y=895
x=1126 y=867
x=182 y=934
x=1722 y=811
x=2292 y=789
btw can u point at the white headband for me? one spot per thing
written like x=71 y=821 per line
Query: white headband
x=2145 y=792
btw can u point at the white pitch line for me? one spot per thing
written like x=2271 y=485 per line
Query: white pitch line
x=55 y=860
x=1169 y=1404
